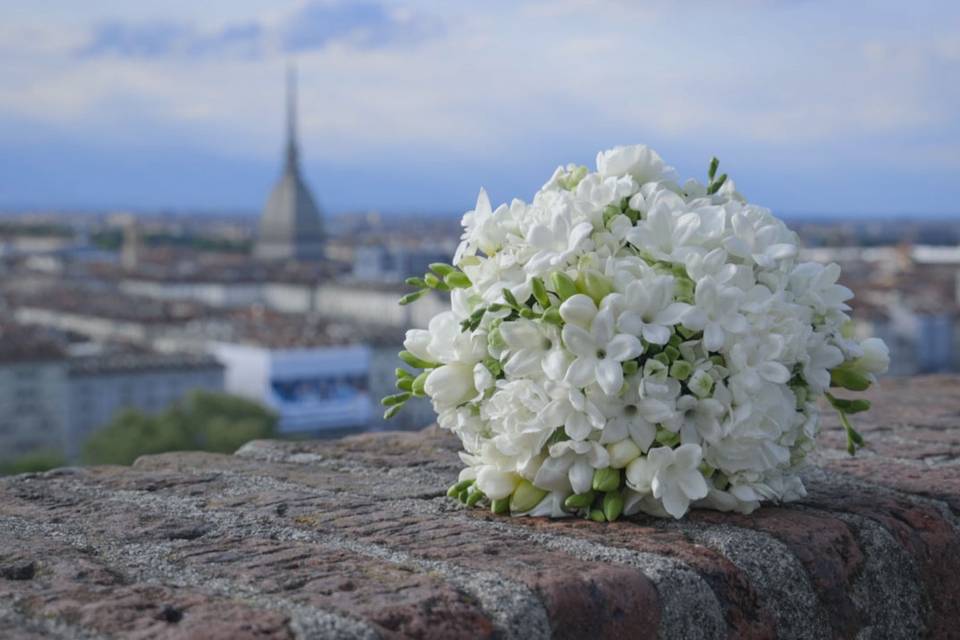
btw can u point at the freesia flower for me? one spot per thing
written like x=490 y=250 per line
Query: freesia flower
x=671 y=475
x=599 y=352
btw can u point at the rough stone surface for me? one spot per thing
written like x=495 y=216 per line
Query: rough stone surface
x=354 y=538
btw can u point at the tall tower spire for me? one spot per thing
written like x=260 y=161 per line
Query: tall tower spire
x=291 y=227
x=292 y=156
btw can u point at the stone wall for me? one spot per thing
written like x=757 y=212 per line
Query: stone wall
x=355 y=539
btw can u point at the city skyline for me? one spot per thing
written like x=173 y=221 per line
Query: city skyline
x=814 y=109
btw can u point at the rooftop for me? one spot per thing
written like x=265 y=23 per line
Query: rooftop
x=138 y=362
x=19 y=343
x=110 y=304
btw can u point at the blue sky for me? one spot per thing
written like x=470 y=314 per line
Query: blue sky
x=814 y=107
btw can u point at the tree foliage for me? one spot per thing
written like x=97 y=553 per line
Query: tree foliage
x=39 y=460
x=203 y=421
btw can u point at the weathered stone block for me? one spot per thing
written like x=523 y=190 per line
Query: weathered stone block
x=354 y=538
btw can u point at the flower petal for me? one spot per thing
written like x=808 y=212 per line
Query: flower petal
x=579 y=342
x=624 y=347
x=581 y=372
x=609 y=376
x=578 y=309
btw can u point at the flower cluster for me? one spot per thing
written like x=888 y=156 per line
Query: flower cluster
x=627 y=343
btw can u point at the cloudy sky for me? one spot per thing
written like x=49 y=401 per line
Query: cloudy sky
x=814 y=107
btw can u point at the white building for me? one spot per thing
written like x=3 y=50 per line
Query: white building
x=312 y=389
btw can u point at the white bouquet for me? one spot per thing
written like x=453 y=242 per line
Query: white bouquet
x=627 y=343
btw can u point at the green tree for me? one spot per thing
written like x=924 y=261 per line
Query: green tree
x=39 y=460
x=204 y=421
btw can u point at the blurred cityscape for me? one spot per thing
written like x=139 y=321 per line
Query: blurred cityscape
x=107 y=311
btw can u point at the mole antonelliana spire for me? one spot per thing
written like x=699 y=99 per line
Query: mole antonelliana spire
x=290 y=226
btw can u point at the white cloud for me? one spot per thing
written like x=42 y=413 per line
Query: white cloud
x=492 y=79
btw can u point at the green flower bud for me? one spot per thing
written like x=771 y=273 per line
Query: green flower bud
x=392 y=411
x=712 y=171
x=597 y=515
x=456 y=488
x=500 y=506
x=540 y=292
x=475 y=496
x=397 y=398
x=441 y=268
x=463 y=495
x=432 y=280
x=400 y=372
x=457 y=280
x=405 y=384
x=492 y=365
x=686 y=333
x=528 y=313
x=683 y=290
x=563 y=285
x=579 y=500
x=630 y=367
x=849 y=379
x=412 y=297
x=681 y=370
x=667 y=438
x=612 y=505
x=609 y=213
x=417 y=387
x=416 y=362
x=510 y=298
x=671 y=352
x=415 y=282
x=552 y=315
x=495 y=339
x=655 y=369
x=594 y=284
x=662 y=358
x=701 y=383
x=525 y=497
x=606 y=479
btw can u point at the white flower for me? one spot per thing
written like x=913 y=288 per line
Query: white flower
x=599 y=351
x=450 y=384
x=528 y=344
x=815 y=285
x=484 y=229
x=755 y=361
x=876 y=356
x=649 y=309
x=496 y=484
x=664 y=235
x=701 y=419
x=818 y=359
x=555 y=241
x=626 y=415
x=760 y=237
x=569 y=408
x=671 y=475
x=639 y=161
x=571 y=465
x=715 y=312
